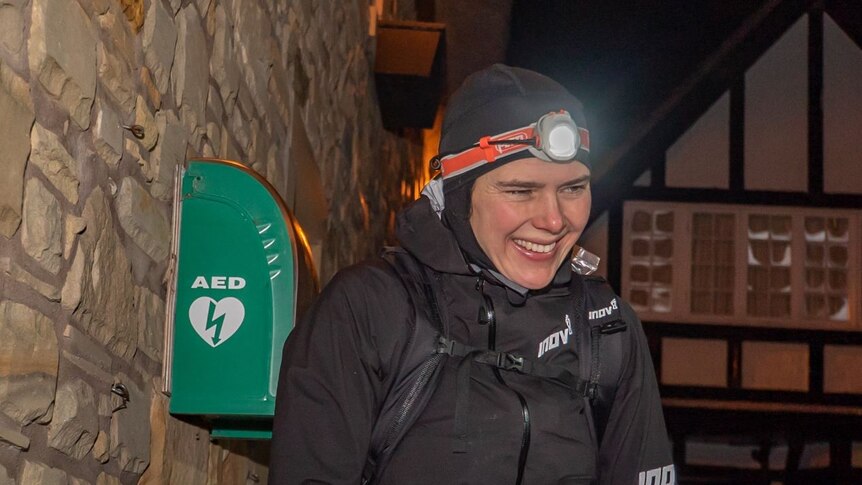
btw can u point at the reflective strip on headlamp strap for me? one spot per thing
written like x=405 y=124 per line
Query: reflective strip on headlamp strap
x=485 y=152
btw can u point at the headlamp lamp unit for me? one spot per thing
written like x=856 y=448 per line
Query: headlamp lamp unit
x=553 y=138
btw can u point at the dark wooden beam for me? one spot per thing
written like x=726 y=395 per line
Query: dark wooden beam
x=737 y=136
x=760 y=197
x=815 y=99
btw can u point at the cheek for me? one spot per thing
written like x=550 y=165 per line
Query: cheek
x=503 y=220
x=577 y=213
x=492 y=225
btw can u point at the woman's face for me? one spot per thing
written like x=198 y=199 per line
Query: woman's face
x=527 y=215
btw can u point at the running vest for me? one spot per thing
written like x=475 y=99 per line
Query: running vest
x=598 y=339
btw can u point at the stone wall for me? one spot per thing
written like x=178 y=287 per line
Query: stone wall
x=85 y=203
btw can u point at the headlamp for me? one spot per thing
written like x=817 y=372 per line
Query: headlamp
x=558 y=136
x=554 y=138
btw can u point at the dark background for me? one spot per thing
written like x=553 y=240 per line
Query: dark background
x=621 y=58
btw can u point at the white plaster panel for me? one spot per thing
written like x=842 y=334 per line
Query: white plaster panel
x=775 y=366
x=700 y=157
x=842 y=111
x=693 y=362
x=644 y=180
x=841 y=364
x=776 y=115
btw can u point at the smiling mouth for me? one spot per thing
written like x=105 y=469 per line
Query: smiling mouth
x=536 y=248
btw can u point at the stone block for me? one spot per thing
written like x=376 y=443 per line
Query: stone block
x=96 y=7
x=16 y=119
x=78 y=343
x=129 y=446
x=190 y=73
x=28 y=370
x=134 y=12
x=170 y=152
x=119 y=30
x=12 y=435
x=179 y=450
x=148 y=170
x=86 y=366
x=203 y=5
x=143 y=220
x=151 y=323
x=108 y=135
x=70 y=296
x=33 y=472
x=145 y=119
x=68 y=74
x=79 y=481
x=159 y=41
x=215 y=107
x=60 y=168
x=214 y=136
x=101 y=447
x=115 y=74
x=14 y=85
x=159 y=469
x=42 y=228
x=279 y=92
x=5 y=479
x=19 y=274
x=12 y=26
x=75 y=424
x=223 y=65
x=106 y=405
x=149 y=84
x=106 y=310
x=86 y=354
x=74 y=225
x=105 y=479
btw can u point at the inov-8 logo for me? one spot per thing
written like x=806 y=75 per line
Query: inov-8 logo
x=215 y=321
x=663 y=475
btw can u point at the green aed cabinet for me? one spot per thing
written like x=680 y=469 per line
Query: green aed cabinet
x=241 y=272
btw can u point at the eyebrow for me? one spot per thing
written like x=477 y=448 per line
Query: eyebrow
x=528 y=184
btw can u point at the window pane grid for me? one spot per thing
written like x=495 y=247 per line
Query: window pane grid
x=743 y=265
x=769 y=259
x=826 y=268
x=712 y=263
x=650 y=269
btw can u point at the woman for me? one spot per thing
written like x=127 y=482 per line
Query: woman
x=495 y=230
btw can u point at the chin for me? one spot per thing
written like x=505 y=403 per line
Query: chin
x=534 y=282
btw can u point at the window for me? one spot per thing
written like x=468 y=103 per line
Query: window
x=743 y=265
x=712 y=269
x=827 y=241
x=652 y=251
x=769 y=258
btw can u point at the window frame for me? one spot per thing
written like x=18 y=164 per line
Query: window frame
x=681 y=288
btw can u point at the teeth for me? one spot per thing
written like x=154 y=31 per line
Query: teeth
x=536 y=248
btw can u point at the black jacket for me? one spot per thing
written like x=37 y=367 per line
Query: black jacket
x=339 y=361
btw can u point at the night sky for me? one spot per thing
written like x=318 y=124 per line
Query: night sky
x=621 y=58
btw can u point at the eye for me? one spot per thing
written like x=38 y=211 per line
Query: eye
x=574 y=189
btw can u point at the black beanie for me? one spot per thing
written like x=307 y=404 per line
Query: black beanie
x=489 y=102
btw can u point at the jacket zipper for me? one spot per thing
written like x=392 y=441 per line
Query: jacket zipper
x=525 y=409
x=525 y=435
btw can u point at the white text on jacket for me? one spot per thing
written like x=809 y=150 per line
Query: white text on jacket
x=664 y=475
x=603 y=312
x=553 y=340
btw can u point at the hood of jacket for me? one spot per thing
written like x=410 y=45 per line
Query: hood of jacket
x=423 y=234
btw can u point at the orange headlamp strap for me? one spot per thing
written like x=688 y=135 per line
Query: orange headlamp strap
x=489 y=149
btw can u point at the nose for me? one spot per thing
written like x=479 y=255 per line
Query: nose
x=548 y=215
